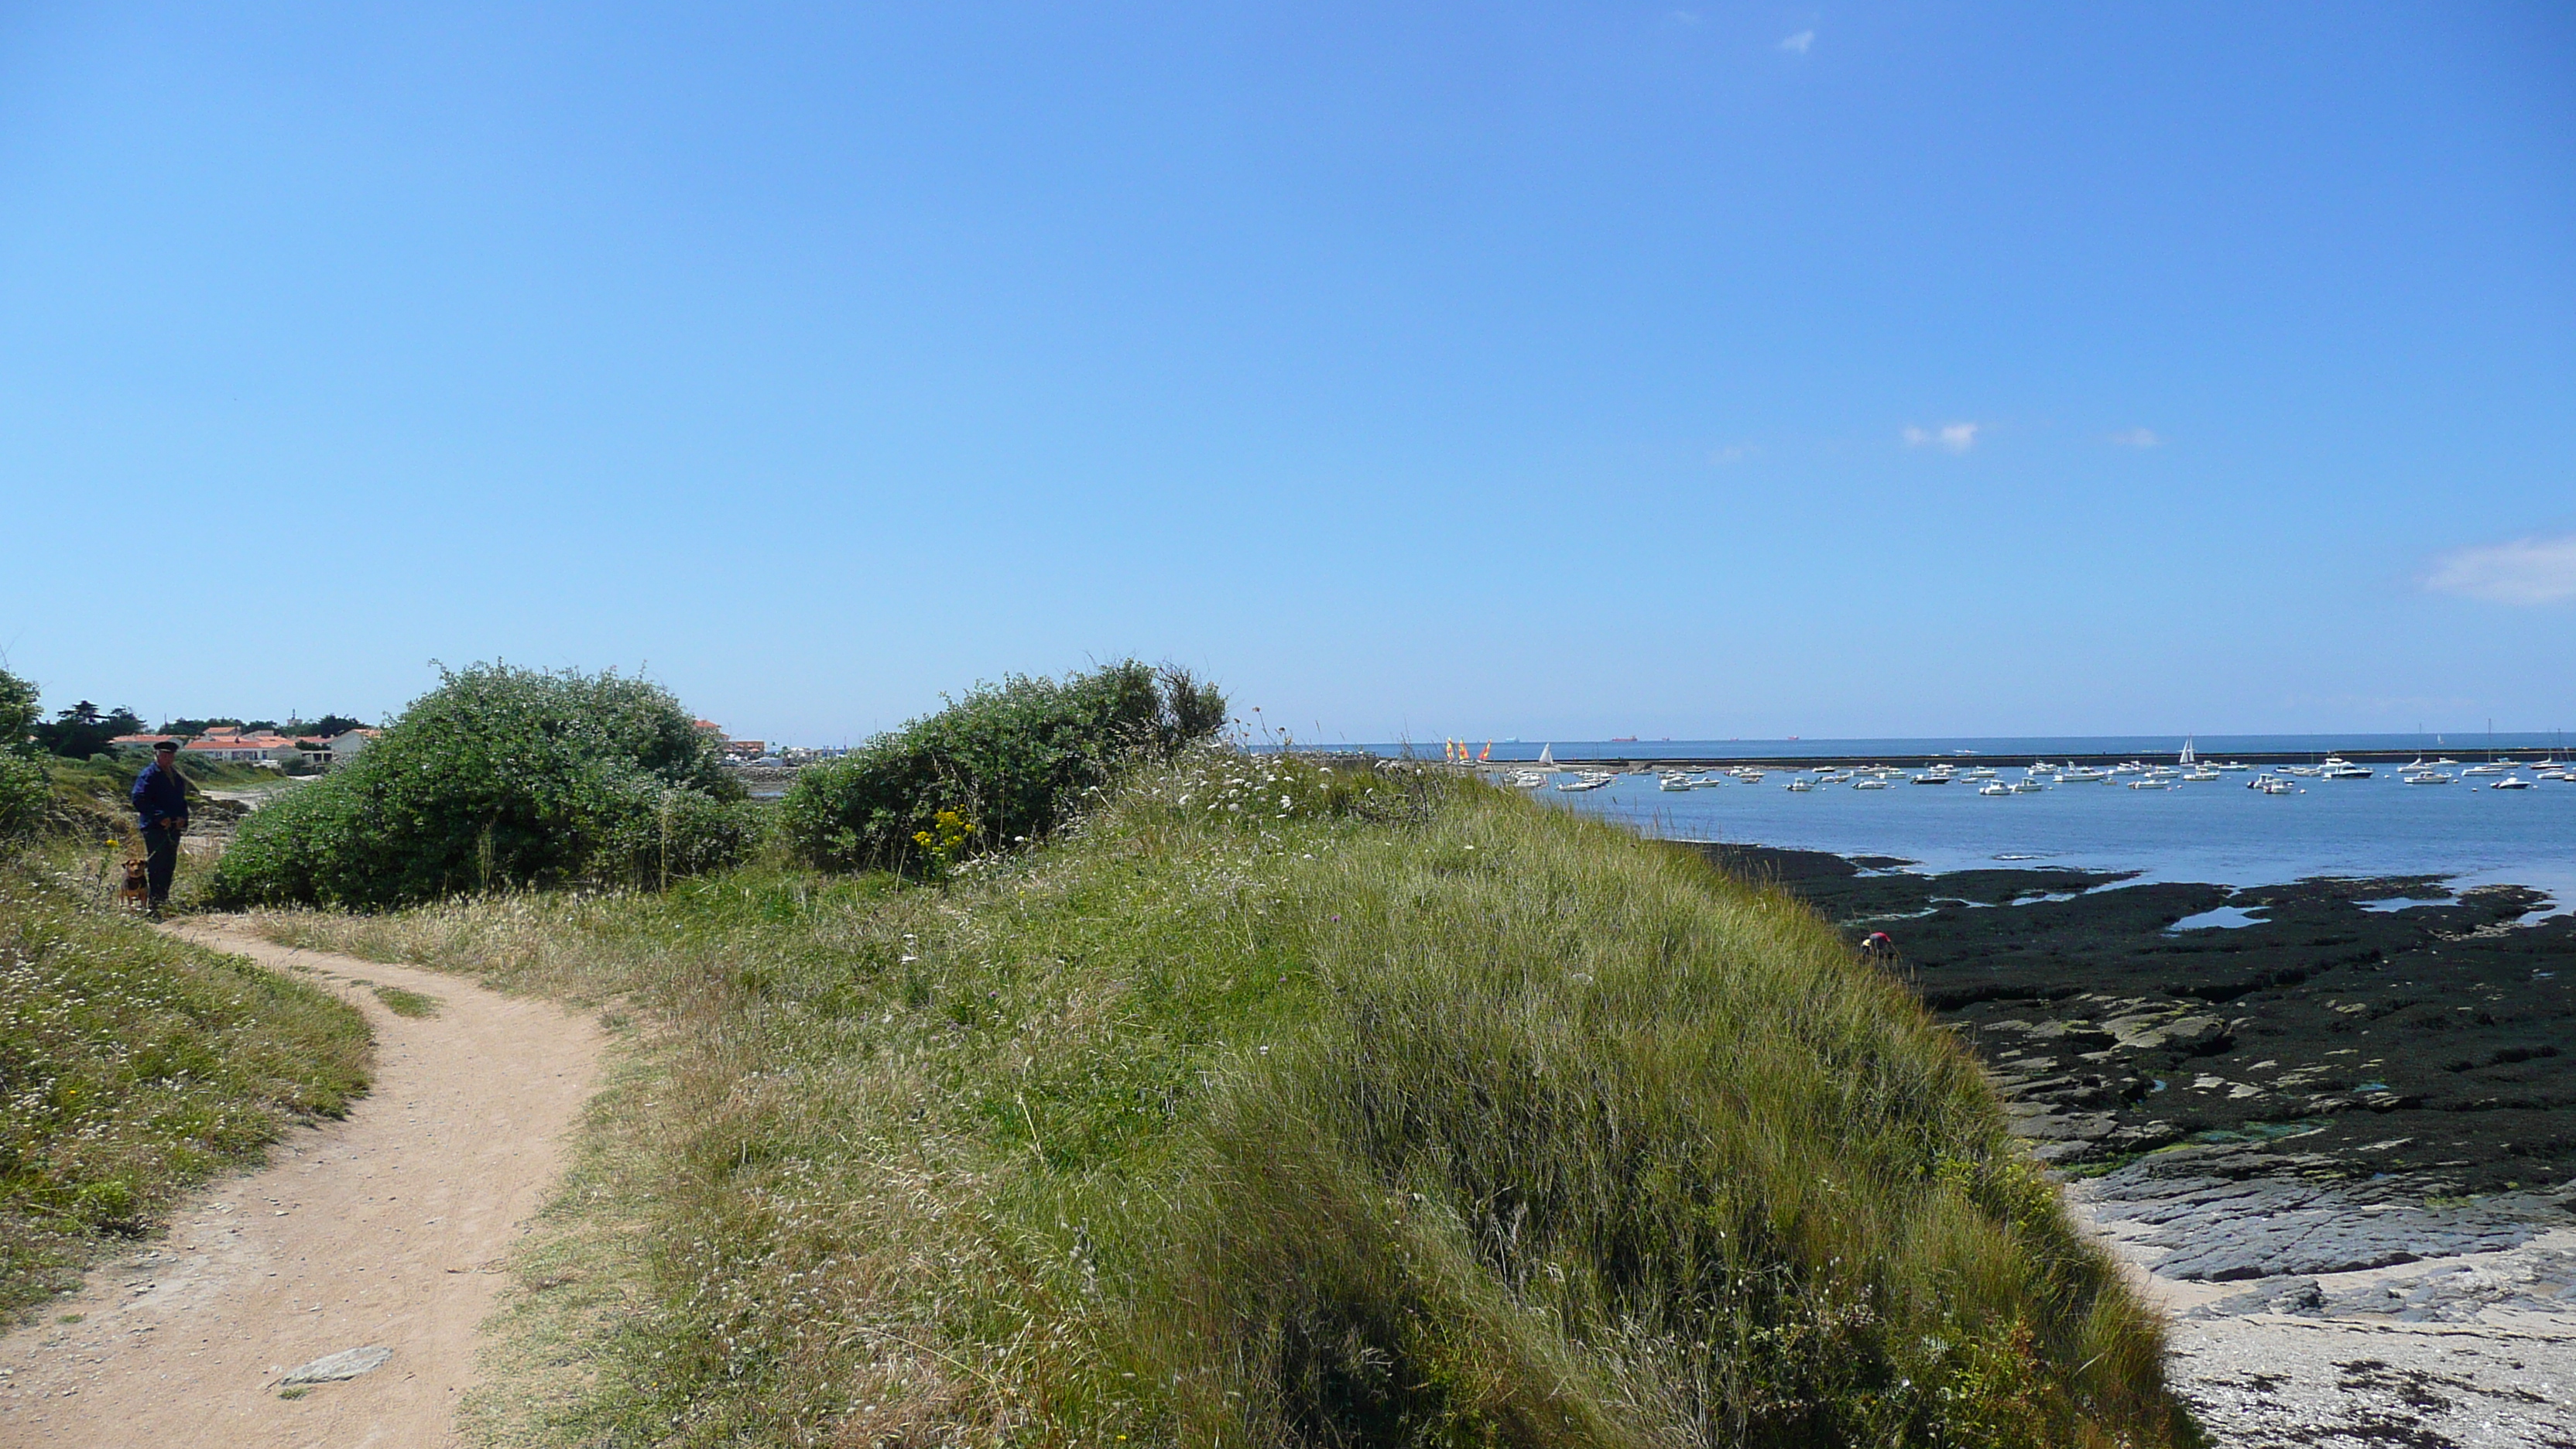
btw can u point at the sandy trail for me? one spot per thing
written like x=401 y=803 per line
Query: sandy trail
x=388 y=1228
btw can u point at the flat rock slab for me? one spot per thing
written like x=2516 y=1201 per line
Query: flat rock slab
x=331 y=1368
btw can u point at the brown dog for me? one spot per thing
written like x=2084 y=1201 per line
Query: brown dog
x=137 y=890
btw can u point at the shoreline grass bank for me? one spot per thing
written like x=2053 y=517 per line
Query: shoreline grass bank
x=1272 y=1105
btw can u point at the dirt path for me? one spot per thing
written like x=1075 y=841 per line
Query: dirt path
x=385 y=1229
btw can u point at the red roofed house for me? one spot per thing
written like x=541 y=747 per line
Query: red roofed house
x=228 y=743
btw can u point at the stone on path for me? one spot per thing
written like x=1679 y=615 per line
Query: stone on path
x=348 y=1363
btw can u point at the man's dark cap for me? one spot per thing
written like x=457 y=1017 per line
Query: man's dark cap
x=165 y=747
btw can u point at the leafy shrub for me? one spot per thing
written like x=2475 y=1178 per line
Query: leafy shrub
x=22 y=796
x=501 y=777
x=1014 y=758
x=18 y=715
x=22 y=780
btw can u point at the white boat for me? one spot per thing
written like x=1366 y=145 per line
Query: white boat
x=2271 y=786
x=1528 y=779
x=2427 y=777
x=1675 y=782
x=2149 y=784
x=1933 y=777
x=1584 y=782
x=1547 y=758
x=2026 y=786
x=1982 y=772
x=2232 y=765
x=2186 y=759
x=2081 y=775
x=2204 y=772
x=2511 y=782
x=1869 y=782
x=1994 y=787
x=1800 y=786
x=2343 y=770
x=2489 y=768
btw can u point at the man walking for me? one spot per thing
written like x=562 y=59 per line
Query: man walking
x=161 y=807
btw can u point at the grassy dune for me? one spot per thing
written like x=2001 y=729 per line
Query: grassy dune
x=133 y=1066
x=1275 y=1107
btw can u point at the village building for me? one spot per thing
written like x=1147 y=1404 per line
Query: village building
x=237 y=746
x=340 y=748
x=242 y=747
x=734 y=749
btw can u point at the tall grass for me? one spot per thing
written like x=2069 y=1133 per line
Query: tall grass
x=133 y=1066
x=1275 y=1106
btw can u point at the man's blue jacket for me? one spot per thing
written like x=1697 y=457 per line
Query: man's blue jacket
x=159 y=795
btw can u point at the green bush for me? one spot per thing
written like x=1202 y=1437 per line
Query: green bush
x=23 y=792
x=1013 y=760
x=18 y=715
x=23 y=789
x=501 y=777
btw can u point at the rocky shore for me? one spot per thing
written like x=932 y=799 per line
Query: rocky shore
x=2335 y=1136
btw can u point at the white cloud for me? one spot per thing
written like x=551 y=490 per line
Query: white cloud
x=1797 y=44
x=2136 y=438
x=1957 y=437
x=2527 y=571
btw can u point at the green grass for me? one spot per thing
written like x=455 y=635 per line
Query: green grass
x=1272 y=1107
x=110 y=777
x=133 y=1066
x=402 y=1002
x=89 y=801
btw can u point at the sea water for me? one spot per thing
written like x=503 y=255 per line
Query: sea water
x=2214 y=831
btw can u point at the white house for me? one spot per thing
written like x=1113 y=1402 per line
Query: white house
x=346 y=744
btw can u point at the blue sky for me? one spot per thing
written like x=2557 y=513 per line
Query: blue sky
x=1567 y=370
